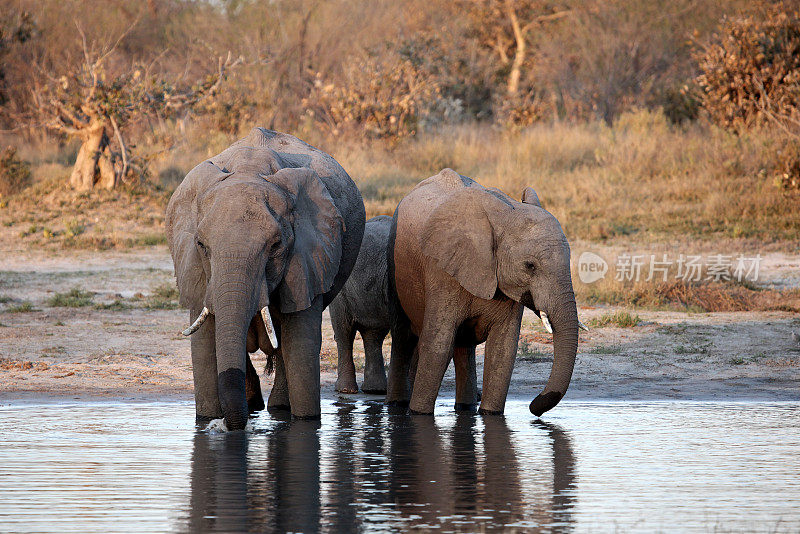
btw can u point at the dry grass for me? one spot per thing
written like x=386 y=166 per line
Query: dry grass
x=621 y=319
x=693 y=297
x=641 y=179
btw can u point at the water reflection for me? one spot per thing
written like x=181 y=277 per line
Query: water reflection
x=645 y=466
x=366 y=470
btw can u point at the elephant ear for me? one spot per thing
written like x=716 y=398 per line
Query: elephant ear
x=181 y=221
x=313 y=260
x=458 y=236
x=529 y=196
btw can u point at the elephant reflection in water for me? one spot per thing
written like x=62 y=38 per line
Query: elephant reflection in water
x=455 y=481
x=238 y=488
x=375 y=470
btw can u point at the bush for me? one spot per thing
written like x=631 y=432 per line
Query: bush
x=621 y=319
x=74 y=298
x=164 y=297
x=750 y=73
x=788 y=165
x=15 y=174
x=385 y=96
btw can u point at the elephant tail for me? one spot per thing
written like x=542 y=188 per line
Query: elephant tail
x=269 y=367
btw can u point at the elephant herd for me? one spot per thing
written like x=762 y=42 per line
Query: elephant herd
x=266 y=234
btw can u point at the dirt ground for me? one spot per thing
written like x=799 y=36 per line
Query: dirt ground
x=133 y=349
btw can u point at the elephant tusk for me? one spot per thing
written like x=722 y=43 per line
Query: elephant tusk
x=270 y=328
x=197 y=322
x=583 y=326
x=546 y=322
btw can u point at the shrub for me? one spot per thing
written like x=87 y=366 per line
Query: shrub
x=164 y=297
x=788 y=165
x=74 y=298
x=622 y=319
x=750 y=72
x=23 y=307
x=385 y=96
x=15 y=174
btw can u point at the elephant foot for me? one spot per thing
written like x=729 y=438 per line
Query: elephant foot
x=397 y=407
x=346 y=385
x=255 y=403
x=415 y=412
x=490 y=412
x=201 y=421
x=306 y=417
x=374 y=385
x=252 y=389
x=465 y=407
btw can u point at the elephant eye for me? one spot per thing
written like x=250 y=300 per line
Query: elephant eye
x=202 y=246
x=530 y=266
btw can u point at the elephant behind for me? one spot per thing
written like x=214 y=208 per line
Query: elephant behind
x=269 y=228
x=463 y=262
x=363 y=306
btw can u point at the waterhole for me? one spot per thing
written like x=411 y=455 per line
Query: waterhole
x=587 y=466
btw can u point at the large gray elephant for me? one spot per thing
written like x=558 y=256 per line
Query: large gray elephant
x=269 y=228
x=363 y=306
x=463 y=262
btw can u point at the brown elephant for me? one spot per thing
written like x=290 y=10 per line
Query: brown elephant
x=270 y=227
x=463 y=262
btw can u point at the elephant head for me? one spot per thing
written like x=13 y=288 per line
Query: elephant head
x=250 y=235
x=497 y=247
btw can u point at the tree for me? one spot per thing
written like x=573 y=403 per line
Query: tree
x=505 y=26
x=96 y=98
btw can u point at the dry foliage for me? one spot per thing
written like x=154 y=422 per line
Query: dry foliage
x=385 y=96
x=750 y=72
x=15 y=174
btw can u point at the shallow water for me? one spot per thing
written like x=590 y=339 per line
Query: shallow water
x=592 y=466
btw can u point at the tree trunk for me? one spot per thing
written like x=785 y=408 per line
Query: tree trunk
x=94 y=166
x=519 y=53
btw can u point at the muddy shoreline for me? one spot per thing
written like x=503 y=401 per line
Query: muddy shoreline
x=132 y=350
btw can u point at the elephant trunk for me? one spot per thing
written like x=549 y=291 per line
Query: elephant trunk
x=564 y=321
x=233 y=311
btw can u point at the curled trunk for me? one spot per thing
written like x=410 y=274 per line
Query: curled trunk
x=564 y=320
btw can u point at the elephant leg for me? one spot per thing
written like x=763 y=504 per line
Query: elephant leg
x=435 y=350
x=412 y=370
x=374 y=370
x=301 y=341
x=204 y=370
x=279 y=396
x=466 y=379
x=345 y=368
x=404 y=343
x=501 y=351
x=252 y=387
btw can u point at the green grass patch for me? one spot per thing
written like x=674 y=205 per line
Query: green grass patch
x=21 y=307
x=74 y=228
x=74 y=298
x=163 y=297
x=621 y=319
x=528 y=352
x=606 y=349
x=117 y=305
x=151 y=240
x=4 y=299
